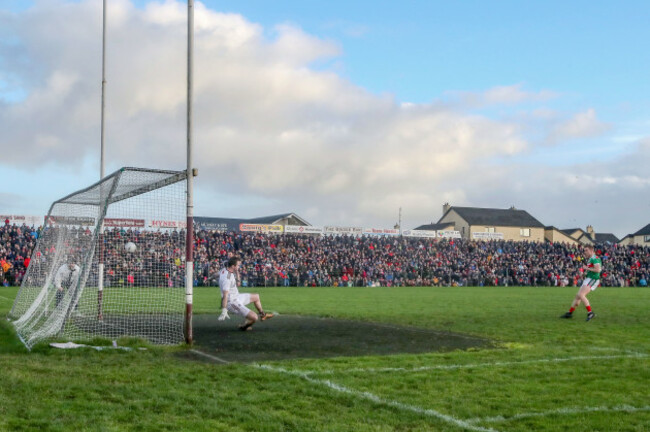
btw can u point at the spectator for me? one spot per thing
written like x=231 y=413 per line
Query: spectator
x=304 y=260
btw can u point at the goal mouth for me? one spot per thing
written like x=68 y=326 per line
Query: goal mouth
x=157 y=330
x=301 y=337
x=110 y=262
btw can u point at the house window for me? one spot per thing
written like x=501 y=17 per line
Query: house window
x=489 y=229
x=524 y=232
x=646 y=238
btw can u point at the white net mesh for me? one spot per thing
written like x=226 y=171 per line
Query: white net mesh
x=110 y=262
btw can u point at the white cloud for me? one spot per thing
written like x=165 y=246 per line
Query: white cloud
x=501 y=95
x=266 y=123
x=581 y=125
x=611 y=195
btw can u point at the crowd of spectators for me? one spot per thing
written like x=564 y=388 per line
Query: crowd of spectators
x=307 y=260
x=16 y=246
x=275 y=260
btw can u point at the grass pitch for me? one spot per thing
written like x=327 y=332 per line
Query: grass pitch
x=363 y=359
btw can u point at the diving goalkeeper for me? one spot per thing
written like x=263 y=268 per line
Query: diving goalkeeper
x=235 y=302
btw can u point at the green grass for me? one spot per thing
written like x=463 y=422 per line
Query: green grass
x=539 y=373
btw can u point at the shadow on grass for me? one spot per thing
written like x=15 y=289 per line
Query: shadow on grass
x=293 y=336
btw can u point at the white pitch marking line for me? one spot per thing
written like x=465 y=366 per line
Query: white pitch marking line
x=476 y=365
x=565 y=411
x=605 y=349
x=217 y=359
x=627 y=351
x=363 y=395
x=5 y=298
x=376 y=399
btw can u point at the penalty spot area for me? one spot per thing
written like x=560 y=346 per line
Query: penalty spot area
x=297 y=336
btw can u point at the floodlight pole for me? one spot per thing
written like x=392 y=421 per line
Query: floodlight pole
x=189 y=246
x=100 y=270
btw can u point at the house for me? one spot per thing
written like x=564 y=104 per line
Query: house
x=232 y=224
x=606 y=238
x=581 y=236
x=280 y=219
x=639 y=238
x=589 y=237
x=488 y=223
x=555 y=235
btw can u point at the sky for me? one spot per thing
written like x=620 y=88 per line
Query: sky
x=341 y=112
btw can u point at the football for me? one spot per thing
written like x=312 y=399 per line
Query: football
x=130 y=247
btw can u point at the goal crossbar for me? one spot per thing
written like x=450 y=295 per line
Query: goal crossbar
x=90 y=193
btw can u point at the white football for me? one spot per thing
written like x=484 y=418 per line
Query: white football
x=130 y=247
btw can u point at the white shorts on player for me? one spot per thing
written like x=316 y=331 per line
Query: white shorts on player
x=238 y=304
x=591 y=283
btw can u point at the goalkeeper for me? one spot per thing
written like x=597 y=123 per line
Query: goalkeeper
x=66 y=276
x=235 y=302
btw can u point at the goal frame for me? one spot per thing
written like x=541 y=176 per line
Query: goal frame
x=107 y=196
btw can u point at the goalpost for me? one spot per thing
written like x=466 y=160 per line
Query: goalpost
x=133 y=223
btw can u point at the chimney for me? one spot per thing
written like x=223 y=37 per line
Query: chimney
x=590 y=231
x=445 y=208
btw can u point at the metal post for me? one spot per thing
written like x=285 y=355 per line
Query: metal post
x=189 y=249
x=399 y=222
x=100 y=270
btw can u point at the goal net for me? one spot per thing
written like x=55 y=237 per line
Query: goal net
x=109 y=263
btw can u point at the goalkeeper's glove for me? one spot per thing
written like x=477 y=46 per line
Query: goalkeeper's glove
x=224 y=314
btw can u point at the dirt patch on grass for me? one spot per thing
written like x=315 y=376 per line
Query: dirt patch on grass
x=293 y=336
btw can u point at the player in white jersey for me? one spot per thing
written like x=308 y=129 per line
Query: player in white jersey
x=235 y=302
x=66 y=277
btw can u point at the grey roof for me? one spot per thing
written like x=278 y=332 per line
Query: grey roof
x=274 y=218
x=232 y=224
x=643 y=231
x=606 y=237
x=570 y=231
x=496 y=217
x=600 y=237
x=433 y=227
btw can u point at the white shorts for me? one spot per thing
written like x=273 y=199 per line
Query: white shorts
x=591 y=283
x=238 y=304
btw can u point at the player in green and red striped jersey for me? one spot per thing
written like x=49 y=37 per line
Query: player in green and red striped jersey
x=592 y=270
